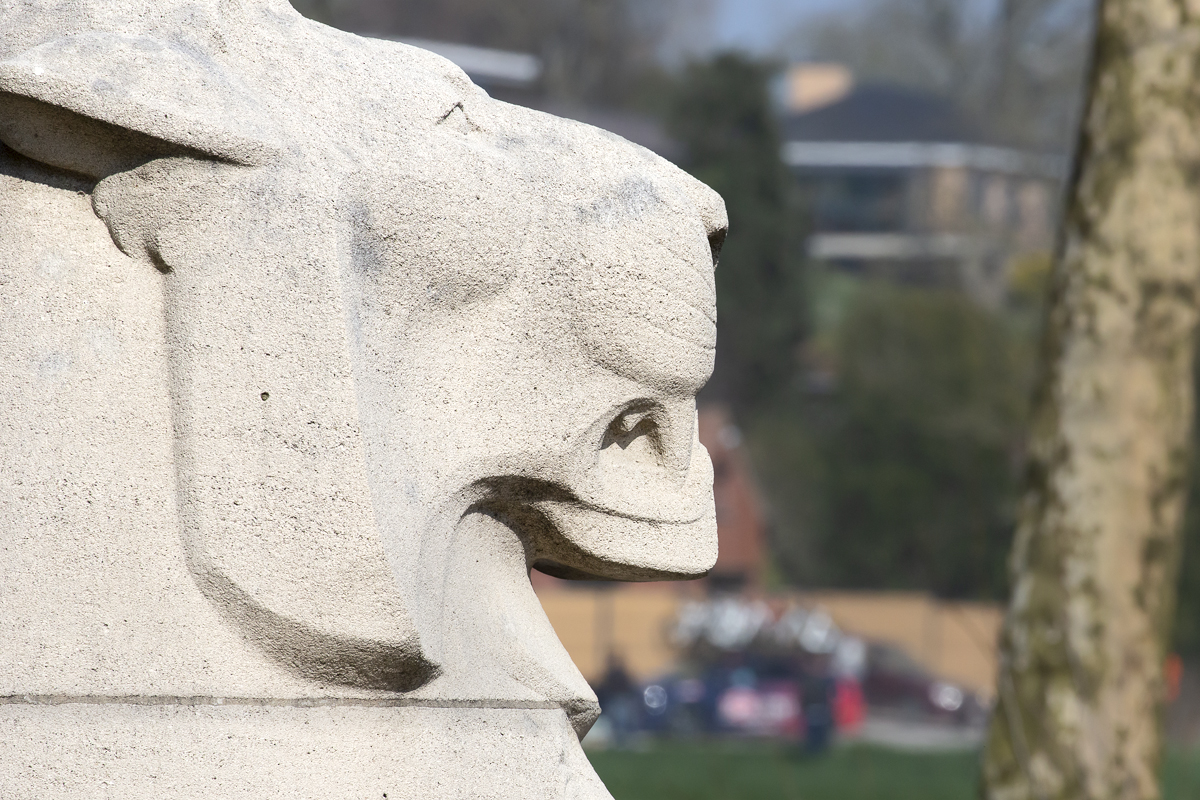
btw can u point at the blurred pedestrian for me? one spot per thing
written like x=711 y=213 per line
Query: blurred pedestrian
x=618 y=700
x=817 y=693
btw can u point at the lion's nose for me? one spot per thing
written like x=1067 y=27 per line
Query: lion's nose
x=642 y=508
x=650 y=437
x=646 y=462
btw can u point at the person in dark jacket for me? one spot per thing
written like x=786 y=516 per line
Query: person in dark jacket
x=817 y=692
x=618 y=700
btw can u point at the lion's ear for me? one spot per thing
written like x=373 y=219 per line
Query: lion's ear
x=102 y=103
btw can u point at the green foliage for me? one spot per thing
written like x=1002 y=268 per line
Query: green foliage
x=721 y=113
x=902 y=476
x=905 y=472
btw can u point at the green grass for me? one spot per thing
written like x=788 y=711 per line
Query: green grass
x=1181 y=775
x=745 y=771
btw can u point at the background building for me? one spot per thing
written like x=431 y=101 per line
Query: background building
x=900 y=185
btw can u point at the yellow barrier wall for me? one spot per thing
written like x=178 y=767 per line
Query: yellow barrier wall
x=956 y=641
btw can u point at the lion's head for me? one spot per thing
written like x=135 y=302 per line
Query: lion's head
x=420 y=341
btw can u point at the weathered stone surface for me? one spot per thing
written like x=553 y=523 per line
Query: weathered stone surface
x=334 y=752
x=309 y=352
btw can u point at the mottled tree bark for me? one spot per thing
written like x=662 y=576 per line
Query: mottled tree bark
x=1080 y=684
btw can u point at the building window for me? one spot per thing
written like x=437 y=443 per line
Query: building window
x=859 y=202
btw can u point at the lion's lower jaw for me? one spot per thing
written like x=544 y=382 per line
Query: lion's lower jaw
x=480 y=622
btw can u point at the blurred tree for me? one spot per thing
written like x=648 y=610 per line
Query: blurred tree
x=1017 y=66
x=721 y=112
x=722 y=115
x=1094 y=563
x=904 y=474
x=595 y=51
x=904 y=468
x=920 y=444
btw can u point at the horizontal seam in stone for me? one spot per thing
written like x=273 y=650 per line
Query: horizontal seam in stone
x=285 y=702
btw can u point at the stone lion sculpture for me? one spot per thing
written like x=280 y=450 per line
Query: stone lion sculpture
x=311 y=351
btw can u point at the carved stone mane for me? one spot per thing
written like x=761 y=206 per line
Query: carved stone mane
x=311 y=351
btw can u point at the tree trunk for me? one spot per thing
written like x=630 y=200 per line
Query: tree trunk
x=1093 y=566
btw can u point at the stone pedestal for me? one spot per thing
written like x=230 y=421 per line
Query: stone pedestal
x=237 y=749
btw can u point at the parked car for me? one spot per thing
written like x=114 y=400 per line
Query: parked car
x=893 y=682
x=751 y=697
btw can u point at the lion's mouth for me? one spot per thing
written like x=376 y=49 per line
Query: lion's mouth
x=601 y=545
x=578 y=538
